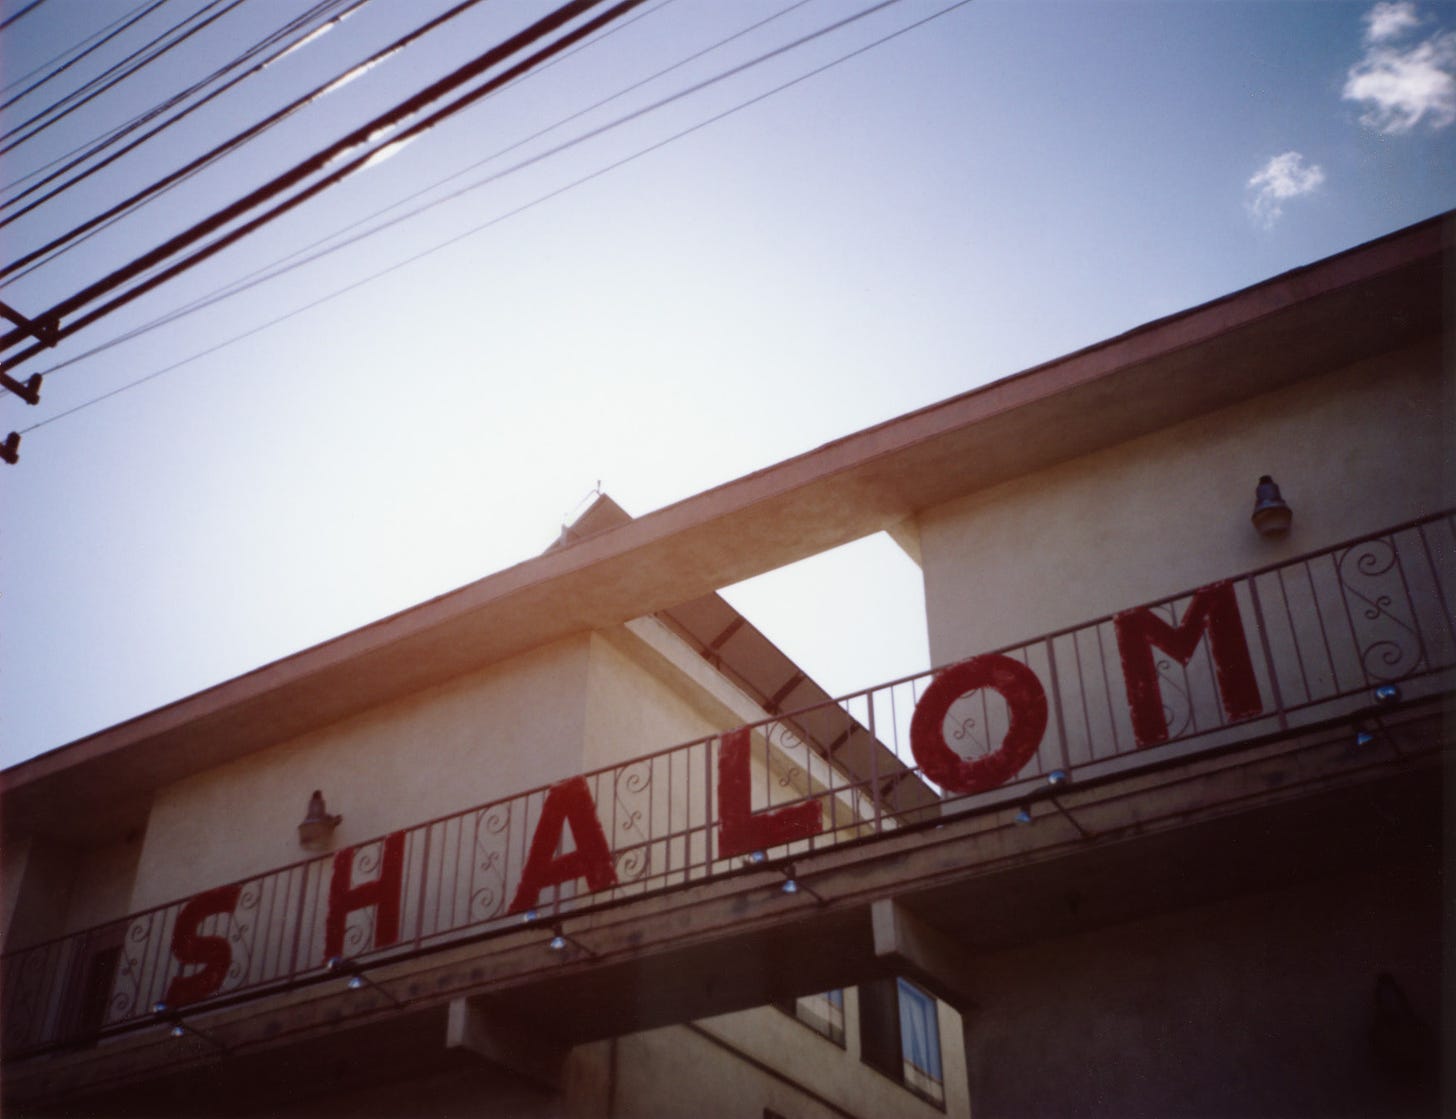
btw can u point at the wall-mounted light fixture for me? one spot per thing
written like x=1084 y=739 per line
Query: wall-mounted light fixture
x=179 y=1028
x=1271 y=512
x=318 y=826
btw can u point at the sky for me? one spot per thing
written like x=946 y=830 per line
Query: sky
x=764 y=248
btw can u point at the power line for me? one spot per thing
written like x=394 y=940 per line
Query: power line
x=360 y=137
x=257 y=276
x=126 y=21
x=357 y=164
x=297 y=24
x=234 y=142
x=157 y=49
x=25 y=11
x=338 y=293
x=272 y=270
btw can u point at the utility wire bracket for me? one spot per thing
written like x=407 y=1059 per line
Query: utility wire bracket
x=28 y=392
x=46 y=331
x=10 y=449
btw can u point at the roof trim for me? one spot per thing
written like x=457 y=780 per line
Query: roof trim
x=1373 y=298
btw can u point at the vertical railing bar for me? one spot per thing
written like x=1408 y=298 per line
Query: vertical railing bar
x=708 y=805
x=1082 y=696
x=1268 y=651
x=1319 y=616
x=273 y=926
x=298 y=924
x=1107 y=692
x=1055 y=681
x=1349 y=614
x=1446 y=614
x=1410 y=602
x=439 y=922
x=424 y=885
x=1294 y=632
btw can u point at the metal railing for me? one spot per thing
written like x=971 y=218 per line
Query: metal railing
x=1320 y=631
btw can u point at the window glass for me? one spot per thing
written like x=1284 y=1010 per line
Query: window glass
x=822 y=1013
x=920 y=1041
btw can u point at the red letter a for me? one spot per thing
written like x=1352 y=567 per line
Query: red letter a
x=739 y=829
x=568 y=802
x=212 y=952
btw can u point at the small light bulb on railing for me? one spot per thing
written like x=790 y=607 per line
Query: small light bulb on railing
x=356 y=983
x=530 y=916
x=1057 y=777
x=1364 y=738
x=160 y=1008
x=790 y=886
x=557 y=943
x=177 y=1031
x=1387 y=694
x=756 y=857
x=1023 y=816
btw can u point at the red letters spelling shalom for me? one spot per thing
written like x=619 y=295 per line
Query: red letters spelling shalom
x=1212 y=612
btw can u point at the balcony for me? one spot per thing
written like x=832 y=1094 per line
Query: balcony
x=1113 y=728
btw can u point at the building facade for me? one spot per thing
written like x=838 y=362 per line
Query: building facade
x=1161 y=835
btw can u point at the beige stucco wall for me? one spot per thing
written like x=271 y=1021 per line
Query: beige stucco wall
x=631 y=711
x=504 y=729
x=755 y=1059
x=1259 y=1005
x=1354 y=451
x=578 y=705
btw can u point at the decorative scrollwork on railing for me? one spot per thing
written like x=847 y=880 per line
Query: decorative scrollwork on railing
x=1371 y=611
x=632 y=864
x=965 y=731
x=632 y=783
x=488 y=881
x=791 y=777
x=1388 y=643
x=1178 y=718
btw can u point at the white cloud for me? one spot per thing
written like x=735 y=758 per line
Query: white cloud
x=1282 y=178
x=1390 y=20
x=1401 y=86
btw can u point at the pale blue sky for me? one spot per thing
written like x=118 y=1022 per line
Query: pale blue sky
x=1004 y=184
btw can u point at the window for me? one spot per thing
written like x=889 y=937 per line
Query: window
x=899 y=1034
x=822 y=1013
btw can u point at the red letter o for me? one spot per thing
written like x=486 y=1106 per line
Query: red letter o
x=1026 y=701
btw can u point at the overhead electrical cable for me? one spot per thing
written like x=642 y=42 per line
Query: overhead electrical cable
x=243 y=282
x=340 y=149
x=139 y=13
x=55 y=113
x=234 y=142
x=268 y=271
x=34 y=261
x=25 y=11
x=298 y=26
x=381 y=273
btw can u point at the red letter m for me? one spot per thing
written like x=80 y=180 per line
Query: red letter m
x=1214 y=611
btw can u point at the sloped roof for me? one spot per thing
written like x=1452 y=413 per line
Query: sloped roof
x=738 y=649
x=1372 y=299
